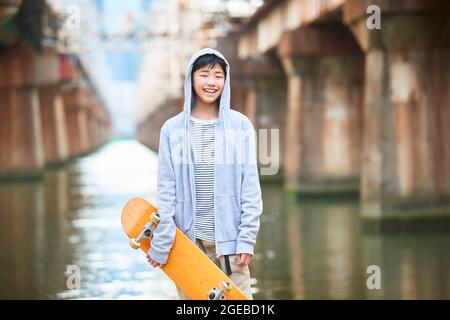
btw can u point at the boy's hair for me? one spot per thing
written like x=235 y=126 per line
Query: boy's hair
x=208 y=60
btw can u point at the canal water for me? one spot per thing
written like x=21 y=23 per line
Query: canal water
x=68 y=225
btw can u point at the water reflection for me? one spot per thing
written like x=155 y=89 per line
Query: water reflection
x=21 y=208
x=100 y=185
x=306 y=249
x=415 y=266
x=72 y=217
x=322 y=252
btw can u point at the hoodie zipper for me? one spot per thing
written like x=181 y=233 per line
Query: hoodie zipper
x=192 y=182
x=214 y=192
x=188 y=99
x=219 y=123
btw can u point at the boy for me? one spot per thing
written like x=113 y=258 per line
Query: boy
x=208 y=182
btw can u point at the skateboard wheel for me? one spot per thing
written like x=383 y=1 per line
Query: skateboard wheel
x=134 y=244
x=225 y=286
x=155 y=218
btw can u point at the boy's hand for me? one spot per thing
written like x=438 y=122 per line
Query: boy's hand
x=243 y=259
x=153 y=263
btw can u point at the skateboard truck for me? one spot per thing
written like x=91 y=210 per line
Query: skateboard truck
x=218 y=293
x=147 y=231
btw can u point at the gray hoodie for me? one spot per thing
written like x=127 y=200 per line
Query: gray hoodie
x=237 y=193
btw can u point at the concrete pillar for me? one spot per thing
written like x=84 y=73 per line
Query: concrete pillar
x=406 y=168
x=324 y=66
x=90 y=119
x=98 y=121
x=105 y=126
x=21 y=147
x=93 y=125
x=73 y=129
x=228 y=45
x=48 y=75
x=265 y=107
x=251 y=103
x=149 y=129
x=99 y=125
x=53 y=124
x=84 y=130
x=76 y=121
x=95 y=114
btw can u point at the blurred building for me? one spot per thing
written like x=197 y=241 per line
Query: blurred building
x=355 y=92
x=178 y=29
x=51 y=107
x=359 y=90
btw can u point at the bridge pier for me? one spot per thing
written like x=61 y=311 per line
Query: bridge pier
x=53 y=124
x=98 y=122
x=104 y=126
x=406 y=154
x=265 y=106
x=22 y=154
x=76 y=121
x=21 y=145
x=149 y=128
x=228 y=46
x=94 y=125
x=324 y=66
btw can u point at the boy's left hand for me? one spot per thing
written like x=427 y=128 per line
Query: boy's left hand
x=243 y=259
x=154 y=263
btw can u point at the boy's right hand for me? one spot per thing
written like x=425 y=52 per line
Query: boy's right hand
x=153 y=263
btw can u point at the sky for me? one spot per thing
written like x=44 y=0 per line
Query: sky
x=112 y=47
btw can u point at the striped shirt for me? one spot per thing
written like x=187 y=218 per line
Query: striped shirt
x=204 y=142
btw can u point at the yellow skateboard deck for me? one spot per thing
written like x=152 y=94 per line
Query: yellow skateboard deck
x=187 y=265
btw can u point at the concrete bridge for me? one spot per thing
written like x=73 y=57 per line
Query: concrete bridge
x=49 y=111
x=360 y=110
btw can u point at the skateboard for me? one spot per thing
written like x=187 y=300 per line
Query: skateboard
x=187 y=266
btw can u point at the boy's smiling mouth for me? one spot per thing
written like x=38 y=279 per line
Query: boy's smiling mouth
x=210 y=91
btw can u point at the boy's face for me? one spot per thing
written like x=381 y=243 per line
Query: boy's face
x=208 y=83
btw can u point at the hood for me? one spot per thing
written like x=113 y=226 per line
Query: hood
x=224 y=98
x=224 y=104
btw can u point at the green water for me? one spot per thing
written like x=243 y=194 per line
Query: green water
x=306 y=249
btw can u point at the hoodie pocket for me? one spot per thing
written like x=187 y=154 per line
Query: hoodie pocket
x=228 y=218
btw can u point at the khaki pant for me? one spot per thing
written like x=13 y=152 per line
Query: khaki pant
x=240 y=275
